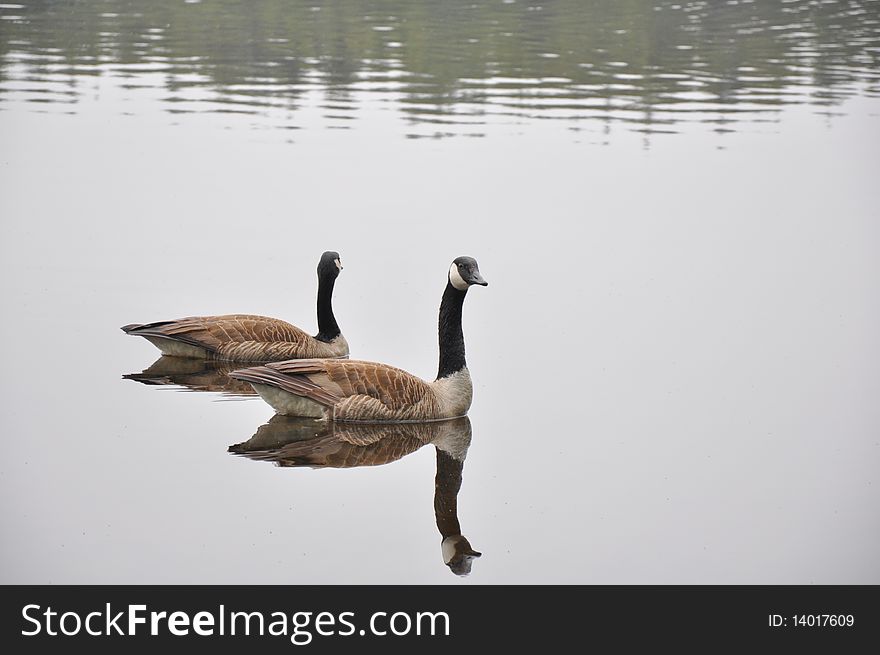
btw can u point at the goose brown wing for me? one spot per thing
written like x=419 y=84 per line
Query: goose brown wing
x=215 y=332
x=393 y=387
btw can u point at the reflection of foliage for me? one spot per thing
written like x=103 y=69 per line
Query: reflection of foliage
x=621 y=53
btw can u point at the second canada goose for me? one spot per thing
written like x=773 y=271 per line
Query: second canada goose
x=351 y=390
x=248 y=338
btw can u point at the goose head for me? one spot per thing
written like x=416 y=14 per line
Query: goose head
x=464 y=272
x=330 y=265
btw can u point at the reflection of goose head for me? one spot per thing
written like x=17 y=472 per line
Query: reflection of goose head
x=194 y=375
x=452 y=447
x=301 y=442
x=458 y=554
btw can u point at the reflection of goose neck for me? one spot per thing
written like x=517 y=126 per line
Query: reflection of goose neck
x=455 y=548
x=446 y=486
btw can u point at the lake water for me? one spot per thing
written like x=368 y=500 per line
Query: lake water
x=675 y=362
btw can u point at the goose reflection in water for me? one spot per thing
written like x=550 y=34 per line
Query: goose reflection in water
x=193 y=375
x=303 y=442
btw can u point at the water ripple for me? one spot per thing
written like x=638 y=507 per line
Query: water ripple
x=639 y=64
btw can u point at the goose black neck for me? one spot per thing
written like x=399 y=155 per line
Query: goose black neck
x=327 y=327
x=449 y=329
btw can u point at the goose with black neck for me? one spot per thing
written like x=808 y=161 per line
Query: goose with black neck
x=250 y=338
x=371 y=392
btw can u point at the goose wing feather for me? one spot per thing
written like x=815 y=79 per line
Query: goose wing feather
x=298 y=385
x=216 y=330
x=366 y=390
x=230 y=335
x=392 y=386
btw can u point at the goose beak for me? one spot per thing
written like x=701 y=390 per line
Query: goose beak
x=476 y=278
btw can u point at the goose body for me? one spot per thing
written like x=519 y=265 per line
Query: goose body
x=371 y=392
x=251 y=338
x=353 y=390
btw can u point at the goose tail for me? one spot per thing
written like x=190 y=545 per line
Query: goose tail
x=298 y=385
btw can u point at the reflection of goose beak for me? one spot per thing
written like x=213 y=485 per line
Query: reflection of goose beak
x=458 y=554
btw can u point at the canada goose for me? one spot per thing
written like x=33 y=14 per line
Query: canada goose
x=352 y=390
x=193 y=375
x=300 y=442
x=247 y=338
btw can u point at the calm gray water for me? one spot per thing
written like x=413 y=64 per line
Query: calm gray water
x=675 y=363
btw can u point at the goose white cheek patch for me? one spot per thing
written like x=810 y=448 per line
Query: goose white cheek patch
x=447 y=549
x=456 y=279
